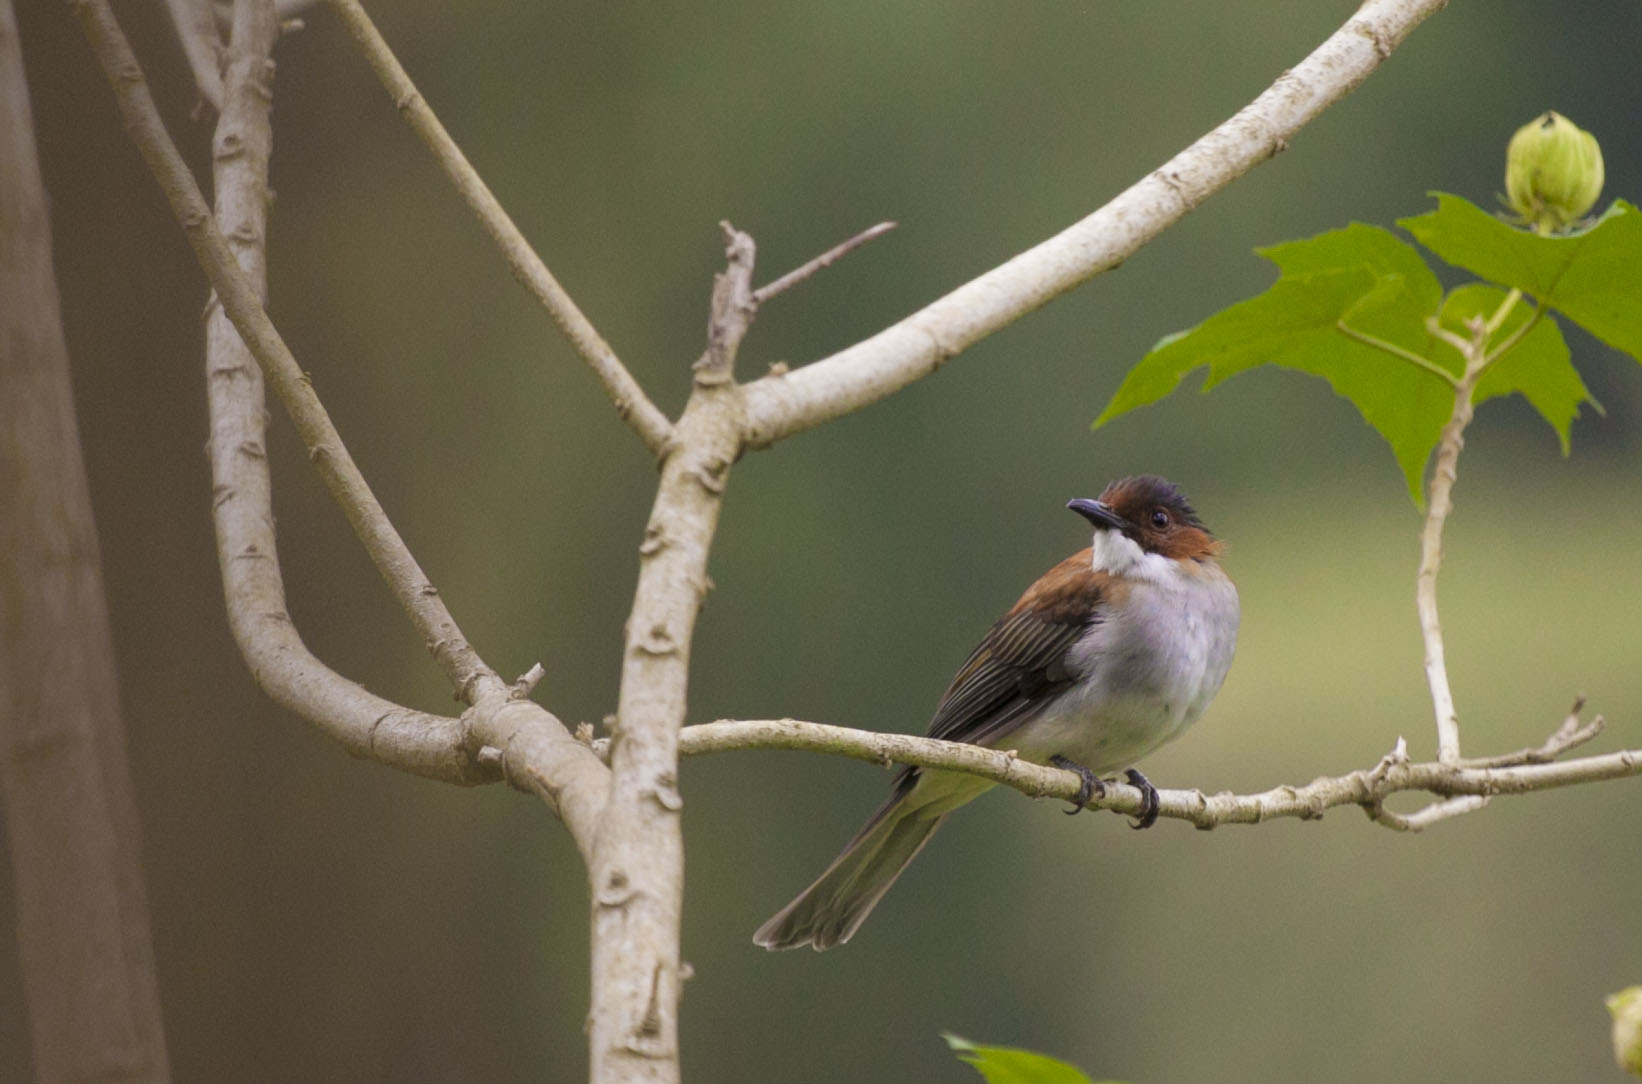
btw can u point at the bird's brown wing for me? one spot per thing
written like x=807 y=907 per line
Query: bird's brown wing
x=1021 y=664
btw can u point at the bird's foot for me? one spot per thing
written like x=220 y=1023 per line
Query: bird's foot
x=1090 y=788
x=1148 y=799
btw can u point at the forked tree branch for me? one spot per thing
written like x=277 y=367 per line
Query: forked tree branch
x=196 y=24
x=239 y=298
x=501 y=736
x=242 y=509
x=531 y=749
x=782 y=404
x=634 y=407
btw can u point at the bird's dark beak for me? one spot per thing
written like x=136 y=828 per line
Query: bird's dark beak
x=1096 y=512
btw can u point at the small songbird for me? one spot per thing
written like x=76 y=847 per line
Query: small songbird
x=1111 y=653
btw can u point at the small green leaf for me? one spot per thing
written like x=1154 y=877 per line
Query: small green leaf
x=1008 y=1065
x=1405 y=294
x=1592 y=276
x=1537 y=366
x=1386 y=362
x=1359 y=245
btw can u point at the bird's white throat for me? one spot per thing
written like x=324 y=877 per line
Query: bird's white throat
x=1116 y=553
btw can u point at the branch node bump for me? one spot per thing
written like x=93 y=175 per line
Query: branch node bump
x=655 y=540
x=658 y=641
x=1382 y=48
x=666 y=793
x=617 y=892
x=709 y=474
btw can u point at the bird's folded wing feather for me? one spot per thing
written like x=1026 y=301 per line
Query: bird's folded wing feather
x=1021 y=664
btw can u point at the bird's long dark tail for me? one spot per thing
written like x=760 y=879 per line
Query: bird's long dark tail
x=830 y=911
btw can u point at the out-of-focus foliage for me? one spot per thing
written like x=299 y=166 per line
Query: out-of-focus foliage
x=1626 y=1009
x=318 y=919
x=1011 y=1065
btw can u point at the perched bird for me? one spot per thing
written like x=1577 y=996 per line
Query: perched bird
x=1111 y=653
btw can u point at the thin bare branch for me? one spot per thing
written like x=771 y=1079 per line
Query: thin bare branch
x=1439 y=503
x=526 y=682
x=196 y=25
x=785 y=403
x=1426 y=816
x=289 y=12
x=1368 y=788
x=733 y=307
x=239 y=298
x=634 y=407
x=826 y=259
x=1570 y=734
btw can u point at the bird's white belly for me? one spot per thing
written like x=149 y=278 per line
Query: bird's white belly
x=1152 y=671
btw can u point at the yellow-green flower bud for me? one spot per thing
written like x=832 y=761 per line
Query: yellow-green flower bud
x=1553 y=172
x=1626 y=1007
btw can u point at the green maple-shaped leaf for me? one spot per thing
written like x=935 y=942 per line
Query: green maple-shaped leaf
x=1350 y=307
x=1356 y=307
x=1008 y=1065
x=1592 y=276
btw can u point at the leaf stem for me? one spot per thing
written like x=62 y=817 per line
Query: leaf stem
x=1417 y=360
x=1498 y=319
x=1516 y=336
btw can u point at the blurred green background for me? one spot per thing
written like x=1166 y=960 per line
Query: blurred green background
x=322 y=919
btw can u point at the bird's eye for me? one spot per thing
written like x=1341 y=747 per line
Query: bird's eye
x=1160 y=518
